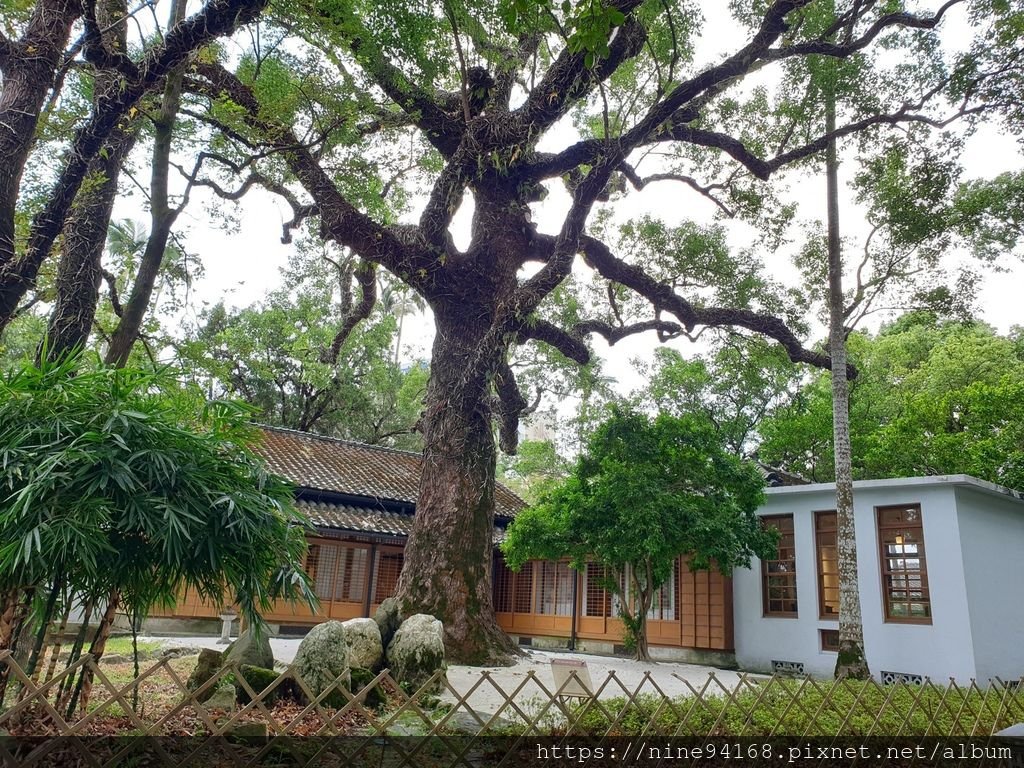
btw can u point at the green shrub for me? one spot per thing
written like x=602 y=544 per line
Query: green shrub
x=792 y=707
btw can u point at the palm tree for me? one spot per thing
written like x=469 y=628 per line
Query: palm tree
x=399 y=300
x=851 y=660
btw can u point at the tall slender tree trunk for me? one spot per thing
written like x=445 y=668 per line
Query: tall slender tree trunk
x=447 y=569
x=851 y=660
x=162 y=215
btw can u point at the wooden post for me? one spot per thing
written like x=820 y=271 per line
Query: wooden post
x=371 y=562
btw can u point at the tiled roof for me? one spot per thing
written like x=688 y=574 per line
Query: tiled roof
x=776 y=478
x=325 y=514
x=354 y=469
x=348 y=517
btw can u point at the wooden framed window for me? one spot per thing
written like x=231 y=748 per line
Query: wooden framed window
x=385 y=580
x=829 y=640
x=338 y=571
x=313 y=561
x=352 y=586
x=554 y=588
x=904 y=568
x=663 y=605
x=778 y=575
x=522 y=589
x=826 y=532
x=597 y=601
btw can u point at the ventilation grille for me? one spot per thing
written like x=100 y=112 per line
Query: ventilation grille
x=787 y=667
x=901 y=678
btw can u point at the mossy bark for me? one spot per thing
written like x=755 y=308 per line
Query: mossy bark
x=447 y=569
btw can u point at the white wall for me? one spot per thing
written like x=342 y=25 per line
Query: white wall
x=940 y=650
x=992 y=536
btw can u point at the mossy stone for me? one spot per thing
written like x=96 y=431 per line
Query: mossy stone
x=361 y=679
x=259 y=679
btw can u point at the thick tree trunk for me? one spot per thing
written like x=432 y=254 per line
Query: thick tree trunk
x=447 y=570
x=851 y=661
x=26 y=79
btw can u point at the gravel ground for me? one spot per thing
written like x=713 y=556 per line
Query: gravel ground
x=530 y=680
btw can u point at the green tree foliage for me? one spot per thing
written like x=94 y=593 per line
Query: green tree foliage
x=933 y=397
x=271 y=354
x=118 y=483
x=534 y=469
x=733 y=387
x=350 y=111
x=645 y=492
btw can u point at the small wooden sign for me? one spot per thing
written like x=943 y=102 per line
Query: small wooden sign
x=572 y=678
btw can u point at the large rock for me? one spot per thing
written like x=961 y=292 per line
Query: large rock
x=372 y=697
x=252 y=650
x=208 y=664
x=222 y=698
x=365 y=648
x=389 y=619
x=417 y=651
x=323 y=656
x=259 y=679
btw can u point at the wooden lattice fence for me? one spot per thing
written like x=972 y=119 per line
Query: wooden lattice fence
x=155 y=719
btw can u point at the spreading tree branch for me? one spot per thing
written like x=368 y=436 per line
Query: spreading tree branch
x=572 y=342
x=824 y=46
x=669 y=119
x=442 y=130
x=339 y=219
x=217 y=18
x=598 y=256
x=96 y=50
x=366 y=277
x=639 y=182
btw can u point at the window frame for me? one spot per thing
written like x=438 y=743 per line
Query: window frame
x=824 y=644
x=820 y=574
x=549 y=598
x=885 y=572
x=766 y=600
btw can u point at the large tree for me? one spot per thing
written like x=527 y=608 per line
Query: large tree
x=932 y=397
x=624 y=72
x=474 y=102
x=644 y=492
x=270 y=355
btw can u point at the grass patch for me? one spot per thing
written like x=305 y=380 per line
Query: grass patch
x=122 y=646
x=792 y=708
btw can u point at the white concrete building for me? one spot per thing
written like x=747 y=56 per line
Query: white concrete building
x=941 y=568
